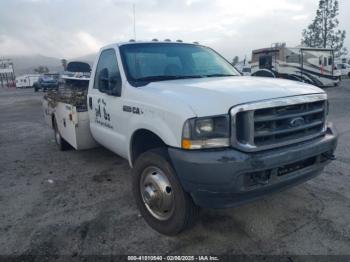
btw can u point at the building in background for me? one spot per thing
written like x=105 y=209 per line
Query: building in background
x=7 y=75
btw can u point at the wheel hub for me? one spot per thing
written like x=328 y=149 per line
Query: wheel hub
x=156 y=192
x=150 y=196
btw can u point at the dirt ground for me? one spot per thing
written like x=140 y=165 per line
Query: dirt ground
x=80 y=202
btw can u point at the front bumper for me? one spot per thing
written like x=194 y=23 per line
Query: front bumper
x=49 y=85
x=228 y=177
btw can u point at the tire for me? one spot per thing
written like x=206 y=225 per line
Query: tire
x=59 y=140
x=181 y=214
x=349 y=74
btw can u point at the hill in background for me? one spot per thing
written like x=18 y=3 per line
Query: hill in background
x=25 y=64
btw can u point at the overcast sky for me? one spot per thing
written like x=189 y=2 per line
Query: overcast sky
x=73 y=28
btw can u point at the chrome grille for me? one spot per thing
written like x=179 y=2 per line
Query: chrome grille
x=278 y=122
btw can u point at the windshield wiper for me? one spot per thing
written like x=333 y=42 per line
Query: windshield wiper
x=167 y=77
x=219 y=75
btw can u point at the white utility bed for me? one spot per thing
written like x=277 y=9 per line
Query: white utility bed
x=72 y=123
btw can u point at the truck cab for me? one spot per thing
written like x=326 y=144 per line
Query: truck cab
x=197 y=134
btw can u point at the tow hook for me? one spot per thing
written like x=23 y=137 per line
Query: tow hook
x=329 y=156
x=261 y=178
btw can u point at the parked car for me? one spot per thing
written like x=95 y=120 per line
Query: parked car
x=47 y=82
x=195 y=132
x=246 y=70
x=344 y=69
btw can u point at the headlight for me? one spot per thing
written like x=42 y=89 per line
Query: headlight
x=206 y=132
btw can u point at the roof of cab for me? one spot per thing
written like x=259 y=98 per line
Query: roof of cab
x=146 y=42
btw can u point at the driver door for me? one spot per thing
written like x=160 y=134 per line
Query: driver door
x=105 y=103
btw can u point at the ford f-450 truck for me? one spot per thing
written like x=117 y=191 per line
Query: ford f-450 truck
x=195 y=132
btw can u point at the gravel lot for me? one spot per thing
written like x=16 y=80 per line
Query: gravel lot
x=80 y=202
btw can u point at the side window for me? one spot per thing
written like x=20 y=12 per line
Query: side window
x=330 y=60
x=265 y=62
x=107 y=77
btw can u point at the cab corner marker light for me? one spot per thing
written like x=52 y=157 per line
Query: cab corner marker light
x=186 y=144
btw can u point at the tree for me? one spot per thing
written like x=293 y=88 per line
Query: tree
x=323 y=32
x=64 y=64
x=235 y=60
x=41 y=70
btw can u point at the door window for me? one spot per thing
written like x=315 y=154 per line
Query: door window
x=330 y=60
x=265 y=62
x=107 y=77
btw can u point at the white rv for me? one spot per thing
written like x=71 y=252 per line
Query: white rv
x=311 y=65
x=26 y=81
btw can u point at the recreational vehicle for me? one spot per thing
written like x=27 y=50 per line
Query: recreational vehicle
x=311 y=65
x=26 y=81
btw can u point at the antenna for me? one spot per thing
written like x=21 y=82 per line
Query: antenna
x=133 y=10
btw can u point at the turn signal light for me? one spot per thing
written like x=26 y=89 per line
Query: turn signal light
x=186 y=144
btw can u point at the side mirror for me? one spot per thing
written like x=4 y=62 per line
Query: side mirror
x=115 y=85
x=103 y=81
x=110 y=85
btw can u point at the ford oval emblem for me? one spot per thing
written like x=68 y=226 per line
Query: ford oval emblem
x=296 y=122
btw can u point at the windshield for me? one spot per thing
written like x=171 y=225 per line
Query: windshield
x=47 y=78
x=149 y=62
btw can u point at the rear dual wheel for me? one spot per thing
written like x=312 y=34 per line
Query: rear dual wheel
x=159 y=195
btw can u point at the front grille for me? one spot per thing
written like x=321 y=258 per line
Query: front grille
x=278 y=122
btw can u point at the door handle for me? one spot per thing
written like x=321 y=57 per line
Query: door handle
x=90 y=102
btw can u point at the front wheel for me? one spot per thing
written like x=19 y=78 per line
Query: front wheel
x=159 y=195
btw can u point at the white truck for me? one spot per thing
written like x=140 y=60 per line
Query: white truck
x=344 y=69
x=195 y=132
x=26 y=81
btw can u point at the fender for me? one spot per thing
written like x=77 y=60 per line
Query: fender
x=170 y=136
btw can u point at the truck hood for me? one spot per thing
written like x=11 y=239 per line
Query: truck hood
x=212 y=96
